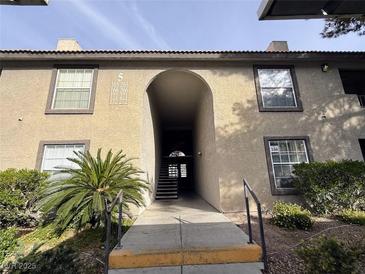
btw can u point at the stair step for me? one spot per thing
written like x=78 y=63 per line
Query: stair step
x=174 y=189
x=167 y=194
x=166 y=190
x=167 y=186
x=166 y=197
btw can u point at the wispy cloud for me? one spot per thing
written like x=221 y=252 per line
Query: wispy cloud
x=118 y=35
x=148 y=28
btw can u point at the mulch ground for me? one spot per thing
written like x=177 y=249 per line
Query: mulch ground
x=281 y=243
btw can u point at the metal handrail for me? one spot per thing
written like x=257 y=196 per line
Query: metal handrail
x=361 y=98
x=108 y=215
x=247 y=189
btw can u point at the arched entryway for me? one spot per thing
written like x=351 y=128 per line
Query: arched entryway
x=181 y=108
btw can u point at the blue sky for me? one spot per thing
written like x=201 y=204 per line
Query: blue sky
x=167 y=25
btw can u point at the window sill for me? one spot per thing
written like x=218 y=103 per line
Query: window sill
x=297 y=109
x=287 y=191
x=69 y=111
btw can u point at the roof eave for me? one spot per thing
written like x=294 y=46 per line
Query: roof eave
x=263 y=13
x=150 y=57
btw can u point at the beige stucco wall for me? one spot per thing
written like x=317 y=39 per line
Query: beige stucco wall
x=239 y=126
x=206 y=175
x=23 y=94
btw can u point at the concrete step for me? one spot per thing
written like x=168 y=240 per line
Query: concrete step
x=166 y=188
x=166 y=192
x=120 y=258
x=183 y=232
x=165 y=175
x=161 y=183
x=238 y=268
x=166 y=197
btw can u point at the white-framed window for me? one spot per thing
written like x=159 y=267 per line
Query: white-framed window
x=73 y=88
x=55 y=156
x=277 y=88
x=284 y=155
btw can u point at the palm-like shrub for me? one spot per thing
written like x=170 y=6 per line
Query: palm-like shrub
x=81 y=196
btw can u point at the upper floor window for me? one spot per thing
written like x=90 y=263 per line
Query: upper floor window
x=72 y=90
x=282 y=154
x=353 y=82
x=276 y=89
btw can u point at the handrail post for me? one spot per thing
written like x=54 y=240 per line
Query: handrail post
x=120 y=212
x=262 y=236
x=246 y=189
x=248 y=214
x=108 y=223
x=107 y=238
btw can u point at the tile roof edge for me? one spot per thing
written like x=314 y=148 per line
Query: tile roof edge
x=174 y=52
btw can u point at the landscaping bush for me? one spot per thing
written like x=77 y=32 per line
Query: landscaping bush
x=291 y=216
x=352 y=216
x=326 y=255
x=330 y=187
x=79 y=199
x=19 y=190
x=8 y=242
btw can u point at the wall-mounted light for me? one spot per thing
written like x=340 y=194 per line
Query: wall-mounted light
x=324 y=67
x=324 y=12
x=20 y=119
x=200 y=154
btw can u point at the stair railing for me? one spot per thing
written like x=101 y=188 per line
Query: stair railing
x=247 y=189
x=108 y=216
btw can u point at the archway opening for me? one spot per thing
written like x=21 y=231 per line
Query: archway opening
x=182 y=112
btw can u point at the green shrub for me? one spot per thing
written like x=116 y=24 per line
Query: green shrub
x=19 y=190
x=326 y=255
x=59 y=260
x=8 y=242
x=352 y=216
x=291 y=216
x=330 y=187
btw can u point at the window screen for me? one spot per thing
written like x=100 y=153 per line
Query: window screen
x=56 y=156
x=276 y=87
x=284 y=154
x=73 y=89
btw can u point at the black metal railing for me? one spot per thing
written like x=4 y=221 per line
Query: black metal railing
x=108 y=217
x=361 y=100
x=247 y=189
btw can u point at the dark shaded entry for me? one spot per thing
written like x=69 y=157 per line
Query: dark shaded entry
x=176 y=166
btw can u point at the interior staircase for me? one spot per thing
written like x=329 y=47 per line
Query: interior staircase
x=167 y=186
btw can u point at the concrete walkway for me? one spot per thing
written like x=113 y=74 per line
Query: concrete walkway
x=184 y=235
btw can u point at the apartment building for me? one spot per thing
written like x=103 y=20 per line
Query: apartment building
x=197 y=121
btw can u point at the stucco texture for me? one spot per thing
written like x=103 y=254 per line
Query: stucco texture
x=231 y=128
